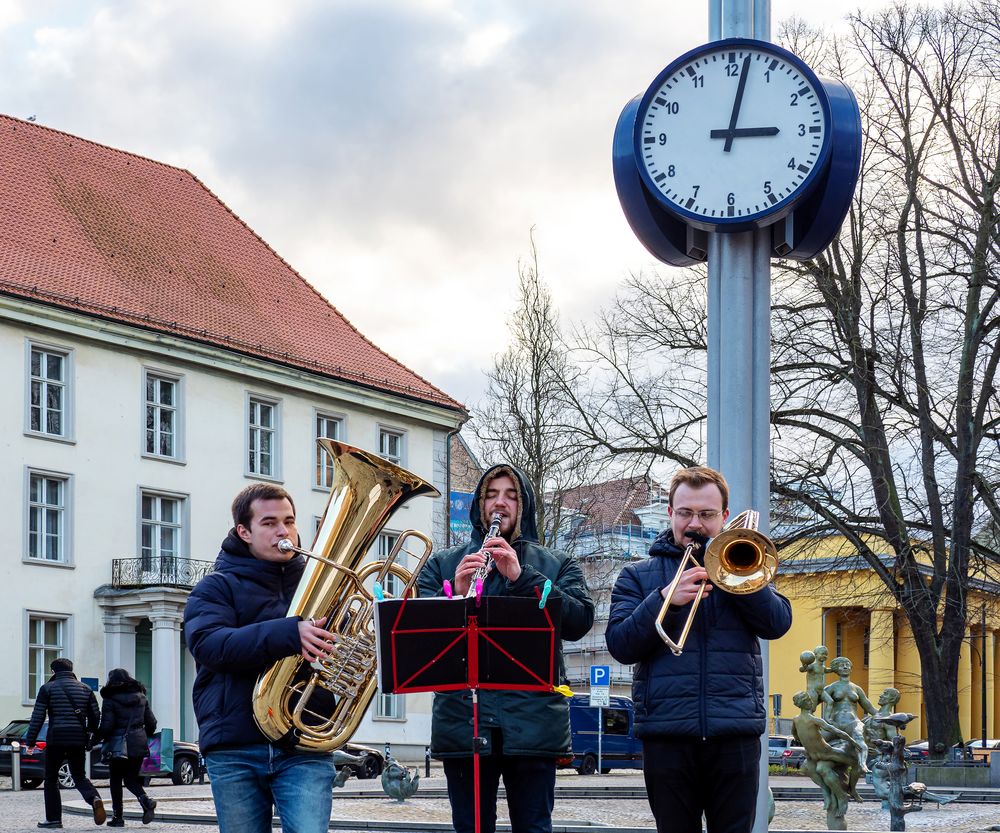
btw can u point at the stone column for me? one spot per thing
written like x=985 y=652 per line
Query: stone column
x=881 y=653
x=991 y=638
x=119 y=643
x=965 y=688
x=908 y=679
x=165 y=696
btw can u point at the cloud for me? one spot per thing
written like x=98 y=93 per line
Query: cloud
x=396 y=152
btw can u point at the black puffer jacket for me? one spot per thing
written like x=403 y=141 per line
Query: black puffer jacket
x=236 y=624
x=531 y=722
x=72 y=710
x=125 y=708
x=716 y=687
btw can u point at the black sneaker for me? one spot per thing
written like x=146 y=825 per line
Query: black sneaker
x=50 y=824
x=99 y=814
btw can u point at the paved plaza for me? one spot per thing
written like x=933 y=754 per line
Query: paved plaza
x=364 y=802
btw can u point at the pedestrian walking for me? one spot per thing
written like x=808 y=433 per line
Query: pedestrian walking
x=127 y=723
x=73 y=717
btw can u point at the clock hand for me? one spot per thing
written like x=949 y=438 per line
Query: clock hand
x=737 y=104
x=742 y=132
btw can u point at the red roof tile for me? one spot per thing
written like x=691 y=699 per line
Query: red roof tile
x=118 y=236
x=613 y=502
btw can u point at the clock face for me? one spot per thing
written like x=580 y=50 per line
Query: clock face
x=732 y=134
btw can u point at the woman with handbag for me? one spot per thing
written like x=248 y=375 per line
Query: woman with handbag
x=127 y=723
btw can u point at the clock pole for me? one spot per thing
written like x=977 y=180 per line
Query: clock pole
x=739 y=344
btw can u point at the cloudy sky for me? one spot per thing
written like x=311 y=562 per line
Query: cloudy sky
x=395 y=152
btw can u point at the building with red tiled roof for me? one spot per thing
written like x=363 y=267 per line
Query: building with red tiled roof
x=124 y=238
x=158 y=355
x=610 y=524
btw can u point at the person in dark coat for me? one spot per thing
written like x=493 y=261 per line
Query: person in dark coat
x=524 y=731
x=125 y=713
x=700 y=715
x=236 y=624
x=73 y=718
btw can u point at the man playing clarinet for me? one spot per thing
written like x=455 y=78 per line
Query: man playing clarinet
x=524 y=731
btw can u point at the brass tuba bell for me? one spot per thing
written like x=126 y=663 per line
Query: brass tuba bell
x=317 y=706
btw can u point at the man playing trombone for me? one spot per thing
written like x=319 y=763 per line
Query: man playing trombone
x=700 y=710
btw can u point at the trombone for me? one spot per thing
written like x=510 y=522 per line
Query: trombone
x=738 y=560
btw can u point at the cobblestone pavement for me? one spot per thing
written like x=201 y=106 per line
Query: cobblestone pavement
x=19 y=811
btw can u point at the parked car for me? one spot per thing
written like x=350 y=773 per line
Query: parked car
x=978 y=752
x=916 y=752
x=619 y=747
x=783 y=750
x=188 y=764
x=372 y=761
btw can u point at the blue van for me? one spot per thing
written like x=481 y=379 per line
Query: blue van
x=619 y=747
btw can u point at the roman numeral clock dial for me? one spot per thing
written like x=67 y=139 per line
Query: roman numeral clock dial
x=731 y=135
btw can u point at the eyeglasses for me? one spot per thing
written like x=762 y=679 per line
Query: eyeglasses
x=704 y=515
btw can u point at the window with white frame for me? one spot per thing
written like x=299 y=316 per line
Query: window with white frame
x=392 y=584
x=46 y=642
x=390 y=706
x=48 y=391
x=48 y=496
x=263 y=438
x=390 y=445
x=162 y=406
x=160 y=531
x=332 y=428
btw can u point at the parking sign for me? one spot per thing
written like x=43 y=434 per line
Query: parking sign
x=600 y=675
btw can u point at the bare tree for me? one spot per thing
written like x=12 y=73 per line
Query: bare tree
x=522 y=418
x=884 y=349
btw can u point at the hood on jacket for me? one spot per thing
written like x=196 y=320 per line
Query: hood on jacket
x=121 y=687
x=526 y=528
x=235 y=555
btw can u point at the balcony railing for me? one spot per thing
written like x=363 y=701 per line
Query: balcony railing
x=167 y=570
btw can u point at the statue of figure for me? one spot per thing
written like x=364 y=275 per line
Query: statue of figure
x=846 y=697
x=875 y=730
x=813 y=665
x=398 y=781
x=828 y=765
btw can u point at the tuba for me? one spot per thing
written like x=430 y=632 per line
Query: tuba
x=739 y=560
x=317 y=706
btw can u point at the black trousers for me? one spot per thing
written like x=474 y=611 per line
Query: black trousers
x=530 y=784
x=54 y=757
x=686 y=777
x=126 y=772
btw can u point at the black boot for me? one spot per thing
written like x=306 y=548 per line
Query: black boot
x=116 y=821
x=148 y=806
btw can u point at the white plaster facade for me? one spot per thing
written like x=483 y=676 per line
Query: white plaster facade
x=104 y=472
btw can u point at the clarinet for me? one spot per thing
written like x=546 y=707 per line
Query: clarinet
x=476 y=587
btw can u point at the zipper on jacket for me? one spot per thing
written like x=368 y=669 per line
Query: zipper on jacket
x=703 y=660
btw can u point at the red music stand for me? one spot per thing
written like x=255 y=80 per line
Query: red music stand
x=442 y=644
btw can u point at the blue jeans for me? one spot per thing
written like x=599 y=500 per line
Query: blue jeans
x=248 y=780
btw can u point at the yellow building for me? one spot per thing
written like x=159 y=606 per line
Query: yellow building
x=838 y=601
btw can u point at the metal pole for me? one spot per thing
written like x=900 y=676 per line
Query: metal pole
x=15 y=766
x=600 y=736
x=739 y=336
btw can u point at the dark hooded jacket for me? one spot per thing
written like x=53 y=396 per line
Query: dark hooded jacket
x=531 y=723
x=125 y=708
x=236 y=624
x=72 y=711
x=716 y=687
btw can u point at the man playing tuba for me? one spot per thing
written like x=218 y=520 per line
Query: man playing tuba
x=236 y=625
